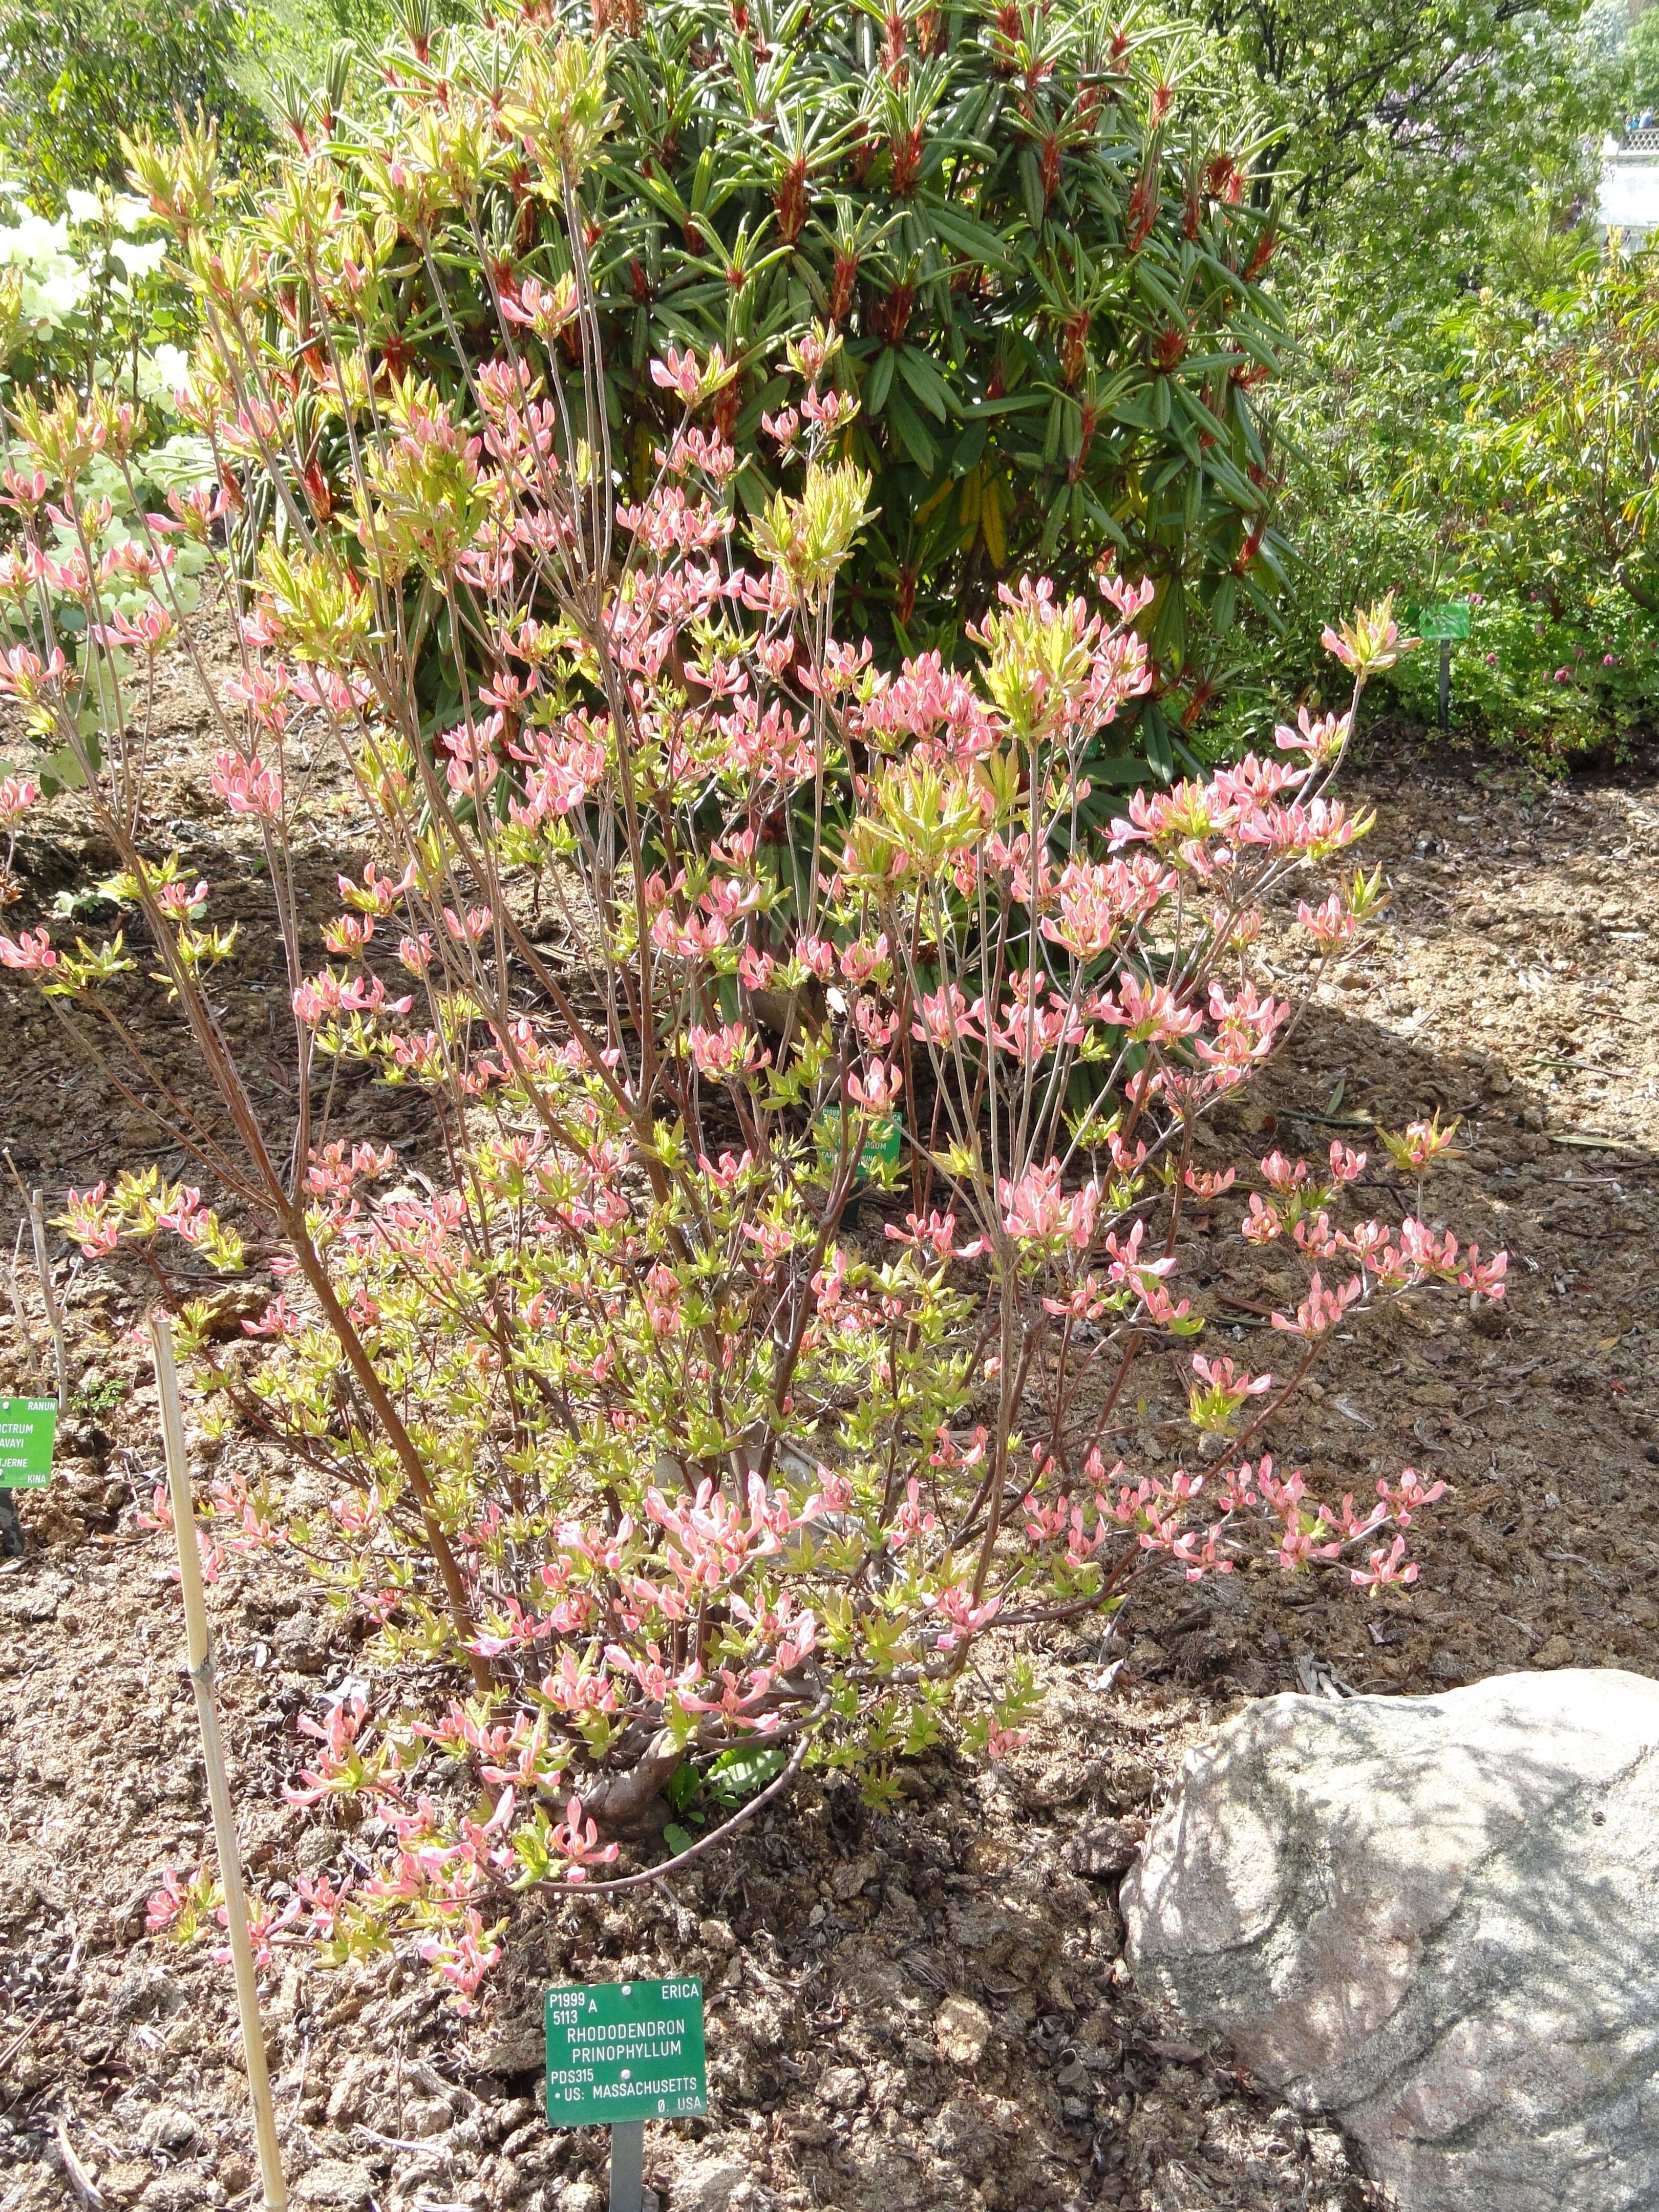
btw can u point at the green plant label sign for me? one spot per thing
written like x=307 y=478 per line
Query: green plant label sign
x=885 y=1146
x=1439 y=624
x=27 y=1426
x=625 y=2051
x=882 y=1146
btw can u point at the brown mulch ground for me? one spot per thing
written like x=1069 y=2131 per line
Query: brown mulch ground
x=924 y=2008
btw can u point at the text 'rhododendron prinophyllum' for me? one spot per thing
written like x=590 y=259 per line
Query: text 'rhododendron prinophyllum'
x=695 y=926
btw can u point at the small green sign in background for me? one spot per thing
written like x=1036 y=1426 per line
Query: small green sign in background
x=1442 y=624
x=882 y=1146
x=27 y=1426
x=624 y=2050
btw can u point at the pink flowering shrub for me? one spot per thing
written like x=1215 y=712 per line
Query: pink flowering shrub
x=697 y=928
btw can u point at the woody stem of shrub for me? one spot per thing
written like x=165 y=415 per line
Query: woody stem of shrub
x=807 y=1735
x=398 y=1436
x=271 y=1193
x=267 y=1191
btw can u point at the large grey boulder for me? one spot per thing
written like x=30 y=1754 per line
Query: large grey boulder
x=1435 y=1920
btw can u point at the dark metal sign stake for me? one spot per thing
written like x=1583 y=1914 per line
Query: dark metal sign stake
x=628 y=2166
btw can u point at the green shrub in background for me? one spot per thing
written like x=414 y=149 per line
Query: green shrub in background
x=1049 y=284
x=74 y=74
x=1545 y=499
x=1361 y=396
x=1501 y=445
x=89 y=302
x=1556 y=462
x=1430 y=151
x=1556 y=686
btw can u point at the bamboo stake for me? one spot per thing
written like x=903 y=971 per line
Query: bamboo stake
x=48 y=1293
x=23 y=1330
x=200 y=1654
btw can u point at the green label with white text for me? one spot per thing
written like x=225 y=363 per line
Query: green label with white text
x=1443 y=625
x=625 y=2051
x=27 y=1426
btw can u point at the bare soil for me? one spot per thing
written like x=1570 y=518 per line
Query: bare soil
x=925 y=2009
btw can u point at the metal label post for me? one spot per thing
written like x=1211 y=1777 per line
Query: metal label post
x=1445 y=626
x=627 y=2165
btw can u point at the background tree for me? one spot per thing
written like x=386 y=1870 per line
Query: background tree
x=1413 y=115
x=1563 y=434
x=76 y=74
x=1641 y=57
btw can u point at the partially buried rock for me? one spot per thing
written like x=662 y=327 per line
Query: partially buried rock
x=842 y=2088
x=182 y=2192
x=301 y=1644
x=718 y=2184
x=961 y=2132
x=333 y=2181
x=1103 y=1848
x=168 y=2127
x=961 y=2029
x=1433 y=1919
x=518 y=2048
